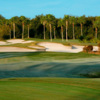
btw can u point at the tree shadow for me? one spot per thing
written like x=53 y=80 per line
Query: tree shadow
x=17 y=54
x=52 y=70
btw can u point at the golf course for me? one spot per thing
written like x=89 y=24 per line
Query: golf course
x=48 y=75
x=49 y=50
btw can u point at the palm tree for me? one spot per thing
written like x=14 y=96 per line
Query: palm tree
x=43 y=21
x=23 y=19
x=73 y=21
x=61 y=24
x=54 y=27
x=50 y=21
x=81 y=20
x=13 y=21
x=28 y=31
x=66 y=19
x=96 y=24
x=28 y=25
x=9 y=23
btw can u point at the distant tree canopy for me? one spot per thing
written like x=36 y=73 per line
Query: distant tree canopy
x=49 y=27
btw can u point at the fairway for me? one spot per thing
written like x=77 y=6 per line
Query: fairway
x=49 y=89
x=48 y=76
x=48 y=64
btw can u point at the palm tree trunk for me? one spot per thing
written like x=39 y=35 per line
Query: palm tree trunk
x=66 y=30
x=73 y=32
x=50 y=33
x=14 y=30
x=44 y=31
x=22 y=30
x=54 y=34
x=96 y=32
x=28 y=32
x=81 y=30
x=62 y=32
x=10 y=33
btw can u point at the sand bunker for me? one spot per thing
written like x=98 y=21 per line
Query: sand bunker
x=15 y=49
x=15 y=41
x=3 y=43
x=56 y=47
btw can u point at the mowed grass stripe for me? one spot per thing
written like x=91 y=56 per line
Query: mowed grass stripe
x=50 y=88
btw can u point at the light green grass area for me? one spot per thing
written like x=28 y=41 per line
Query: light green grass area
x=49 y=89
x=69 y=42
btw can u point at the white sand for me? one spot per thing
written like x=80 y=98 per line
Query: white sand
x=57 y=47
x=15 y=49
x=3 y=43
x=15 y=41
x=95 y=48
x=48 y=46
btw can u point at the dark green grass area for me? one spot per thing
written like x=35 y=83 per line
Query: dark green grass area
x=59 y=56
x=48 y=55
x=49 y=89
x=48 y=69
x=48 y=64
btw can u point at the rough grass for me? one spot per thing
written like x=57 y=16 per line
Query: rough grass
x=49 y=89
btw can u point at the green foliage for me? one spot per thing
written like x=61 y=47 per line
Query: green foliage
x=92 y=75
x=81 y=38
x=81 y=20
x=36 y=26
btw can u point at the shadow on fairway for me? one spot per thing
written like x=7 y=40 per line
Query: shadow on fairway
x=54 y=69
x=17 y=54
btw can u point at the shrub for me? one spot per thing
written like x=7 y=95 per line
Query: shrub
x=92 y=75
x=94 y=40
x=81 y=38
x=88 y=48
x=88 y=38
x=99 y=47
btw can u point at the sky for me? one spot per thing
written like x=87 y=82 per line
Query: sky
x=59 y=8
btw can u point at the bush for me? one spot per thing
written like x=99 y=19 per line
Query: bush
x=81 y=38
x=92 y=75
x=94 y=40
x=88 y=38
x=99 y=47
x=88 y=48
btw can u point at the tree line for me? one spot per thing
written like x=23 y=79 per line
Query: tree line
x=50 y=27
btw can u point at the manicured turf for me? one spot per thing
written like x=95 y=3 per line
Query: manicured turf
x=48 y=64
x=39 y=56
x=49 y=89
x=69 y=42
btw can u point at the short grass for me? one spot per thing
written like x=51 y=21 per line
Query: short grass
x=69 y=42
x=48 y=64
x=46 y=56
x=49 y=89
